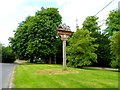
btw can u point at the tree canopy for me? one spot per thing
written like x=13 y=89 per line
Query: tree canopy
x=91 y=24
x=103 y=50
x=115 y=49
x=113 y=22
x=113 y=32
x=80 y=50
x=7 y=55
x=36 y=36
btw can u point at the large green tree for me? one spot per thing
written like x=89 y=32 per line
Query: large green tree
x=91 y=24
x=103 y=50
x=20 y=40
x=80 y=50
x=115 y=47
x=36 y=36
x=113 y=22
x=113 y=32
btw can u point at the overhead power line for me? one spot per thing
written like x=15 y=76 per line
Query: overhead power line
x=104 y=7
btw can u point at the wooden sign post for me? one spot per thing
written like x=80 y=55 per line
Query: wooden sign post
x=64 y=32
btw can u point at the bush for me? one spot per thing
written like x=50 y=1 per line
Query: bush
x=7 y=55
x=115 y=63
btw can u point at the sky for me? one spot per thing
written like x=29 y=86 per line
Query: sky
x=13 y=12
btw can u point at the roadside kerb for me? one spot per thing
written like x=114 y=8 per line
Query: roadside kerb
x=11 y=85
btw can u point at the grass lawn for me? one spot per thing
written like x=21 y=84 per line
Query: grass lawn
x=52 y=76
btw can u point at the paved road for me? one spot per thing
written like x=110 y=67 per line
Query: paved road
x=6 y=70
x=0 y=76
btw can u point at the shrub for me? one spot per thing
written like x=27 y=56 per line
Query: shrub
x=7 y=55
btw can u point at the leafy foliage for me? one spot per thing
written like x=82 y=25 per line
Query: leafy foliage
x=7 y=55
x=113 y=22
x=91 y=24
x=103 y=50
x=113 y=32
x=115 y=47
x=80 y=51
x=36 y=36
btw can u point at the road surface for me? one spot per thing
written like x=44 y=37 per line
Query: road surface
x=6 y=71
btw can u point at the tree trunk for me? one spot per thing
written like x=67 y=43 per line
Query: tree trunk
x=55 y=59
x=49 y=60
x=31 y=60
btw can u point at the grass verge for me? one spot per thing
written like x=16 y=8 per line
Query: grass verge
x=52 y=76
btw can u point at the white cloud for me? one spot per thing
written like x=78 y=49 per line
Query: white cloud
x=15 y=11
x=7 y=24
x=12 y=13
x=80 y=9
